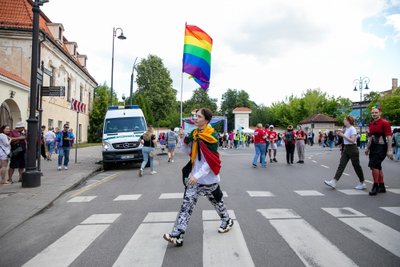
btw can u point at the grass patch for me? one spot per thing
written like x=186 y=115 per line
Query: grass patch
x=83 y=145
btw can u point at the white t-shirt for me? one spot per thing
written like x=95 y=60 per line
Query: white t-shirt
x=349 y=132
x=4 y=145
x=50 y=136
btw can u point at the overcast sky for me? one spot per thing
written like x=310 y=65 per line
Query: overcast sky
x=271 y=48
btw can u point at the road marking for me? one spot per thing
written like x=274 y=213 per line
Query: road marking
x=96 y=183
x=394 y=190
x=102 y=218
x=161 y=217
x=346 y=174
x=279 y=213
x=146 y=247
x=171 y=196
x=127 y=197
x=67 y=248
x=310 y=246
x=305 y=193
x=343 y=212
x=212 y=215
x=377 y=232
x=82 y=199
x=314 y=161
x=260 y=194
x=394 y=210
x=352 y=192
x=325 y=166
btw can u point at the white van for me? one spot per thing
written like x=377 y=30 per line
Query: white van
x=122 y=129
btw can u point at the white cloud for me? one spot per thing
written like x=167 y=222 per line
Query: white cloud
x=394 y=21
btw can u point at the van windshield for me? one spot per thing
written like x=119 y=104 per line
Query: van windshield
x=129 y=124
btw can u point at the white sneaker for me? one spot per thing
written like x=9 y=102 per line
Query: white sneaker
x=360 y=186
x=59 y=168
x=172 y=160
x=331 y=183
x=153 y=172
x=65 y=168
x=140 y=172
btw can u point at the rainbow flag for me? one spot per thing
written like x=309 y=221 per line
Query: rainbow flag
x=197 y=55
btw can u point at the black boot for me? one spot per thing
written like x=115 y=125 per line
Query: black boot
x=382 y=188
x=374 y=190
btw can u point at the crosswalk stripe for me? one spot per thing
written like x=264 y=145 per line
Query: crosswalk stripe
x=171 y=196
x=326 y=167
x=305 y=193
x=353 y=192
x=127 y=197
x=102 y=218
x=310 y=246
x=67 y=248
x=343 y=212
x=260 y=194
x=227 y=249
x=346 y=174
x=394 y=190
x=314 y=161
x=82 y=199
x=379 y=233
x=161 y=217
x=394 y=210
x=146 y=247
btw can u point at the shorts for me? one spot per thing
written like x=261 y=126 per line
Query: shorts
x=171 y=147
x=272 y=146
x=50 y=147
x=3 y=156
x=18 y=162
x=377 y=154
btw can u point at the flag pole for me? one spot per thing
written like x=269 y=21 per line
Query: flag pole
x=181 y=121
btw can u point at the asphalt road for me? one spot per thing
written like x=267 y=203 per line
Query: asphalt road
x=285 y=216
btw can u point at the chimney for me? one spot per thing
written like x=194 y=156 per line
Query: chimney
x=395 y=83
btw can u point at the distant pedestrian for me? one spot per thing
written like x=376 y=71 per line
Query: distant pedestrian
x=56 y=131
x=259 y=146
x=64 y=141
x=5 y=149
x=396 y=137
x=350 y=152
x=148 y=139
x=272 y=137
x=172 y=139
x=18 y=147
x=236 y=139
x=363 y=140
x=331 y=140
x=379 y=146
x=202 y=146
x=290 y=143
x=43 y=149
x=310 y=137
x=300 y=144
x=50 y=139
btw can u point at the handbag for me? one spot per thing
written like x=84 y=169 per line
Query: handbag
x=186 y=172
x=15 y=152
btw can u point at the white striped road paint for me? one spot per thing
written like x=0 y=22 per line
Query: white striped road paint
x=310 y=246
x=146 y=247
x=260 y=194
x=279 y=214
x=82 y=199
x=227 y=249
x=127 y=197
x=314 y=161
x=394 y=190
x=326 y=167
x=160 y=217
x=353 y=192
x=102 y=218
x=368 y=181
x=212 y=215
x=306 y=193
x=394 y=210
x=66 y=249
x=171 y=196
x=96 y=183
x=346 y=174
x=343 y=212
x=377 y=232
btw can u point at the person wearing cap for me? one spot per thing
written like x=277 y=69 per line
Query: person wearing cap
x=379 y=147
x=290 y=142
x=18 y=143
x=272 y=137
x=300 y=144
x=64 y=141
x=259 y=146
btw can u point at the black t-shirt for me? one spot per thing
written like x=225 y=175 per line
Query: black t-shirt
x=149 y=143
x=65 y=143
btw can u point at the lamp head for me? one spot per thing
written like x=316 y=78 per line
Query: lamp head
x=121 y=36
x=366 y=87
x=355 y=88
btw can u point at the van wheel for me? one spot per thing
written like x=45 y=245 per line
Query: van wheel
x=106 y=166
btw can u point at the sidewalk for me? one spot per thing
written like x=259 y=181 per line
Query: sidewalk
x=18 y=204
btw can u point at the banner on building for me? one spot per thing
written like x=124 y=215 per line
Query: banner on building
x=78 y=106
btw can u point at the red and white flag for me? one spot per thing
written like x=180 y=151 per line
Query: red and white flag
x=78 y=106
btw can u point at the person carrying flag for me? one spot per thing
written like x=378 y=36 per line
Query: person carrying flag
x=201 y=145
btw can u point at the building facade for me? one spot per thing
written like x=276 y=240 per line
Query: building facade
x=59 y=57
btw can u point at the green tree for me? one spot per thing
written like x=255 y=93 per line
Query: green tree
x=101 y=102
x=390 y=104
x=200 y=99
x=155 y=85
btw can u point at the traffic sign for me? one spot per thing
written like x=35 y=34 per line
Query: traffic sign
x=53 y=91
x=47 y=72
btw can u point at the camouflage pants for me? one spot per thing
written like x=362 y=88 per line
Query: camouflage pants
x=192 y=192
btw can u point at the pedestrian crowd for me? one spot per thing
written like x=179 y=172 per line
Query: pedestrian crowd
x=13 y=148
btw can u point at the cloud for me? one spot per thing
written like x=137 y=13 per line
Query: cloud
x=394 y=21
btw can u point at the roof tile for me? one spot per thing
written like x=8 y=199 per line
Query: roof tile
x=13 y=76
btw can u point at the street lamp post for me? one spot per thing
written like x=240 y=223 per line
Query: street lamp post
x=121 y=37
x=132 y=78
x=361 y=82
x=31 y=177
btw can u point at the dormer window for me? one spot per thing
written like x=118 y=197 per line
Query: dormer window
x=57 y=30
x=59 y=33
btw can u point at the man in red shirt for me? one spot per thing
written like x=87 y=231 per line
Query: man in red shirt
x=300 y=144
x=379 y=146
x=272 y=137
x=259 y=146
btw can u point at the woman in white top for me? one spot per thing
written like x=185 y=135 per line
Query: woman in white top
x=5 y=148
x=50 y=139
x=350 y=152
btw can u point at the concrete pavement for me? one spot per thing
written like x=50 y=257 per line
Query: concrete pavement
x=18 y=204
